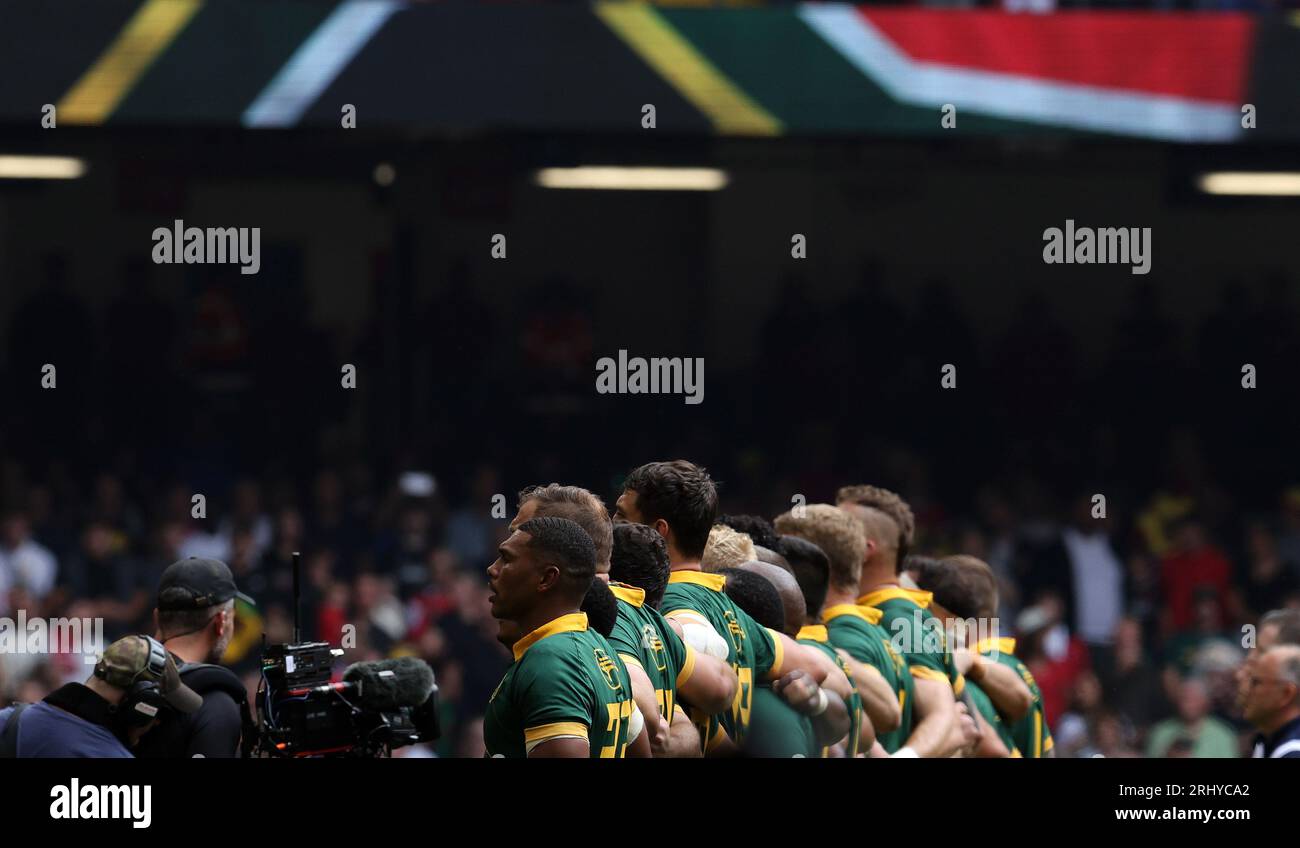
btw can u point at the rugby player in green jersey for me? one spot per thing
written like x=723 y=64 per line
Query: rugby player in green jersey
x=837 y=677
x=567 y=693
x=821 y=533
x=966 y=596
x=938 y=728
x=638 y=575
x=799 y=718
x=657 y=663
x=679 y=501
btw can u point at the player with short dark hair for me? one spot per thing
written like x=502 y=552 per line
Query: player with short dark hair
x=649 y=646
x=601 y=608
x=567 y=693
x=965 y=599
x=759 y=530
x=679 y=500
x=811 y=570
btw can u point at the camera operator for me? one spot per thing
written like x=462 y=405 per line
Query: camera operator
x=134 y=684
x=195 y=619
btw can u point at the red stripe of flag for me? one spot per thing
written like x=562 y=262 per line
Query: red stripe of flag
x=1204 y=56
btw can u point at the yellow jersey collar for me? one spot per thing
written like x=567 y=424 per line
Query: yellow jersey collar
x=716 y=582
x=813 y=632
x=870 y=614
x=889 y=593
x=1002 y=646
x=628 y=594
x=564 y=624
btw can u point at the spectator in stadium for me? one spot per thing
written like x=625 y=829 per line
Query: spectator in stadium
x=1186 y=650
x=471 y=532
x=1096 y=576
x=1054 y=657
x=1131 y=681
x=1273 y=705
x=1269 y=580
x=103 y=583
x=24 y=562
x=1194 y=567
x=246 y=514
x=1209 y=736
x=1277 y=627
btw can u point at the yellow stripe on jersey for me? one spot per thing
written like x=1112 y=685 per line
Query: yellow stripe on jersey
x=778 y=652
x=716 y=582
x=870 y=614
x=1002 y=646
x=688 y=667
x=543 y=732
x=631 y=660
x=630 y=594
x=564 y=624
x=889 y=593
x=922 y=673
x=813 y=633
x=959 y=685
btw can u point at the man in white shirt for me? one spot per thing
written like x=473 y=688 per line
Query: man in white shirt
x=24 y=562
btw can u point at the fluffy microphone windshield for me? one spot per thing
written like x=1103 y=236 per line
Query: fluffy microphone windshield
x=389 y=684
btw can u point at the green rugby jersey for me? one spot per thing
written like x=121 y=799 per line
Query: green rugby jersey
x=1031 y=734
x=778 y=730
x=916 y=633
x=566 y=681
x=752 y=650
x=990 y=715
x=817 y=636
x=642 y=637
x=857 y=630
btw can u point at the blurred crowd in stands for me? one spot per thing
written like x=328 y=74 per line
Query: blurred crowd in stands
x=1133 y=628
x=397 y=494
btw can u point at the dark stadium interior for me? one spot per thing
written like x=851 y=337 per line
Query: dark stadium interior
x=1071 y=380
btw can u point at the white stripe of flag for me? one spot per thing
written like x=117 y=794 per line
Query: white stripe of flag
x=317 y=62
x=1015 y=97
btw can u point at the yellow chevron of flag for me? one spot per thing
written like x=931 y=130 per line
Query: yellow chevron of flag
x=142 y=40
x=697 y=79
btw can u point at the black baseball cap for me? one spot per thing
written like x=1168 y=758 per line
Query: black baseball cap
x=196 y=583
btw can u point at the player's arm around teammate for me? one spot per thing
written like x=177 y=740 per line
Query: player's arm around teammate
x=1009 y=694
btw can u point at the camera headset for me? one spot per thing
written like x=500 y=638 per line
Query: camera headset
x=144 y=698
